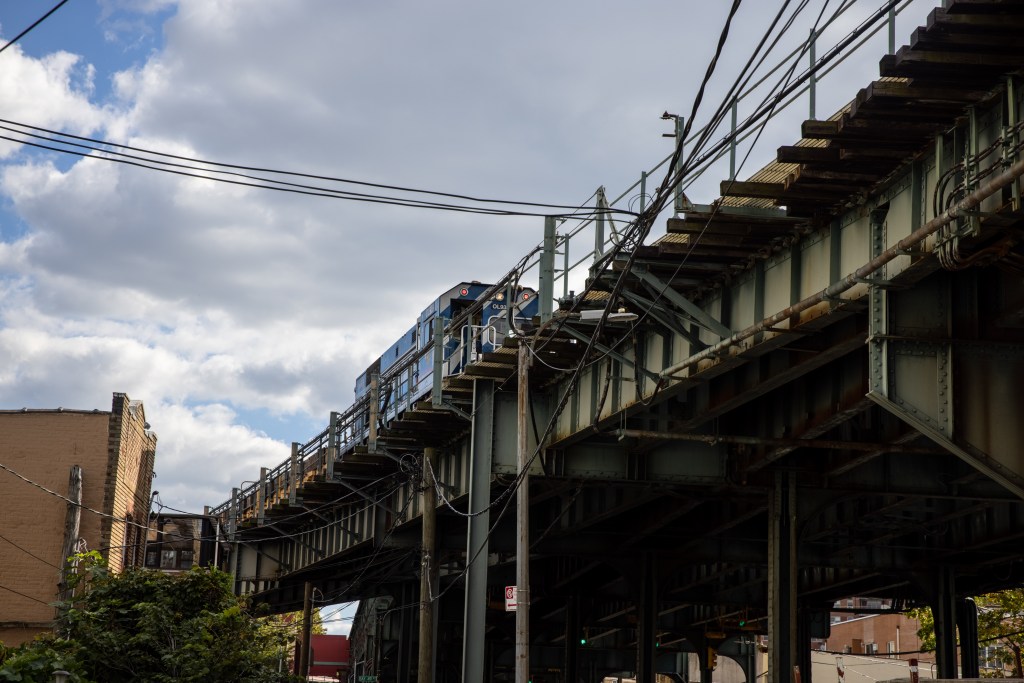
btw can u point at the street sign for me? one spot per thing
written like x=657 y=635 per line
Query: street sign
x=367 y=679
x=510 y=598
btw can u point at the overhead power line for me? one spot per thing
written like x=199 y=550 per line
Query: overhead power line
x=28 y=597
x=68 y=500
x=249 y=176
x=28 y=552
x=38 y=21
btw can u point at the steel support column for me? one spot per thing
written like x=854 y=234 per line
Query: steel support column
x=481 y=455
x=706 y=653
x=967 y=625
x=403 y=665
x=944 y=611
x=748 y=660
x=646 y=631
x=782 y=574
x=293 y=474
x=546 y=295
x=428 y=570
x=803 y=645
x=522 y=670
x=572 y=638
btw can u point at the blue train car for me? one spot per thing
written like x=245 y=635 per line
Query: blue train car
x=482 y=333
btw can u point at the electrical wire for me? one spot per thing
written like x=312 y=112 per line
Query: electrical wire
x=41 y=602
x=763 y=113
x=59 y=142
x=38 y=21
x=640 y=225
x=638 y=231
x=29 y=552
x=697 y=240
x=662 y=192
x=400 y=517
x=201 y=538
x=68 y=500
x=711 y=69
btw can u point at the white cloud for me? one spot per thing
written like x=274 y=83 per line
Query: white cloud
x=208 y=301
x=52 y=92
x=207 y=455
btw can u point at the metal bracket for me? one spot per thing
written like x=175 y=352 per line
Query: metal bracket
x=313 y=512
x=699 y=315
x=319 y=551
x=613 y=354
x=366 y=496
x=668 y=318
x=458 y=411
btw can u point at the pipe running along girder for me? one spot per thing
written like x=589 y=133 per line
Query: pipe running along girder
x=968 y=203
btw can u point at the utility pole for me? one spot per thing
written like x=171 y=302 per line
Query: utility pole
x=523 y=522
x=72 y=522
x=428 y=569
x=307 y=627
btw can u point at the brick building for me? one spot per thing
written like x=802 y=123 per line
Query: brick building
x=177 y=542
x=878 y=635
x=115 y=450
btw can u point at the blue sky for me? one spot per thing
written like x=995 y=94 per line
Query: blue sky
x=241 y=317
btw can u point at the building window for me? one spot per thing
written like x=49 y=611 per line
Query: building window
x=168 y=559
x=890 y=647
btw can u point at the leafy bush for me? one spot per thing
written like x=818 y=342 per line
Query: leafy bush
x=144 y=625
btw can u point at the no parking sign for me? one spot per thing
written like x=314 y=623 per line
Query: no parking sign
x=510 y=598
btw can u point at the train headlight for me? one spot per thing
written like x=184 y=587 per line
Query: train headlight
x=500 y=296
x=464 y=291
x=526 y=296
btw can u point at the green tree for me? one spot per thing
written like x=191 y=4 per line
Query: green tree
x=1000 y=622
x=144 y=625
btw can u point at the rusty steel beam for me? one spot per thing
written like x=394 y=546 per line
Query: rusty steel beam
x=965 y=205
x=825 y=444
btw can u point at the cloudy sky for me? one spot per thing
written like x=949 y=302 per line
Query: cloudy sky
x=239 y=316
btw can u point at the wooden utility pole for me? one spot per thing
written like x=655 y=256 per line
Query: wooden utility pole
x=72 y=521
x=523 y=521
x=307 y=629
x=428 y=569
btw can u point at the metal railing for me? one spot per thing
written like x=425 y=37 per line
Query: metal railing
x=316 y=457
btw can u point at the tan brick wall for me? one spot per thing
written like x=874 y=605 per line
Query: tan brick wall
x=880 y=629
x=130 y=475
x=43 y=446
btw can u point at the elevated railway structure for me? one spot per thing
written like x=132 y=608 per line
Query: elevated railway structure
x=813 y=391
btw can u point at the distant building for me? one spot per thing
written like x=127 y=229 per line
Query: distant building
x=878 y=635
x=178 y=542
x=115 y=450
x=329 y=657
